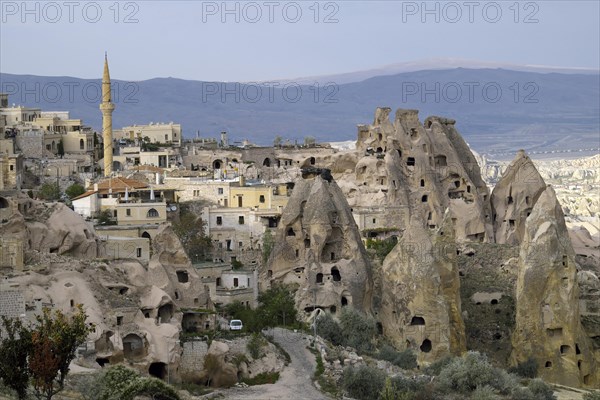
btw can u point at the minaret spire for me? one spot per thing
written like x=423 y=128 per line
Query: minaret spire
x=107 y=107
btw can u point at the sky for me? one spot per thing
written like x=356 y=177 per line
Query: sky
x=264 y=40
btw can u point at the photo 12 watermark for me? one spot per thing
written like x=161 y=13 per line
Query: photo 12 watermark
x=68 y=92
x=271 y=92
x=253 y=12
x=453 y=12
x=54 y=12
x=469 y=92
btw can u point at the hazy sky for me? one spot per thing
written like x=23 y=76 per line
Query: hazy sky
x=246 y=41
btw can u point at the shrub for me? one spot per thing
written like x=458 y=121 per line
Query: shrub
x=595 y=395
x=363 y=383
x=437 y=366
x=471 y=371
x=526 y=369
x=484 y=393
x=152 y=387
x=49 y=191
x=522 y=393
x=320 y=368
x=409 y=385
x=329 y=330
x=114 y=381
x=406 y=359
x=74 y=190
x=122 y=383
x=541 y=390
x=358 y=329
x=255 y=345
x=262 y=378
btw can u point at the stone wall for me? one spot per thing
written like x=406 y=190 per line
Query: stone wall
x=192 y=357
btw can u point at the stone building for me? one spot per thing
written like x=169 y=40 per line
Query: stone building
x=170 y=133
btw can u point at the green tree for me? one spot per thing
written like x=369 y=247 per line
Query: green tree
x=189 y=228
x=267 y=245
x=276 y=307
x=277 y=141
x=105 y=218
x=74 y=190
x=60 y=148
x=42 y=353
x=49 y=191
x=54 y=342
x=14 y=349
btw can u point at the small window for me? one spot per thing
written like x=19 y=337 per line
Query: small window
x=139 y=252
x=241 y=220
x=261 y=198
x=152 y=213
x=374 y=220
x=12 y=167
x=410 y=161
x=128 y=212
x=220 y=190
x=119 y=320
x=219 y=220
x=235 y=282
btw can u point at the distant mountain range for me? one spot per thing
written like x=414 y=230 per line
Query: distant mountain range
x=497 y=110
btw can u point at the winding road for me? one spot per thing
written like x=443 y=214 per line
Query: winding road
x=295 y=382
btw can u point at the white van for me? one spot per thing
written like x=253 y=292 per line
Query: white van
x=235 y=325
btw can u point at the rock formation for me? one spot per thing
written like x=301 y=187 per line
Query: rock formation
x=138 y=310
x=318 y=247
x=49 y=228
x=421 y=307
x=548 y=326
x=417 y=172
x=514 y=197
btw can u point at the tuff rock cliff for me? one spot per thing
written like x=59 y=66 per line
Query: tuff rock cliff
x=318 y=247
x=548 y=324
x=513 y=199
x=417 y=172
x=421 y=308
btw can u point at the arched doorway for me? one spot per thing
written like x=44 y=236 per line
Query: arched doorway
x=158 y=370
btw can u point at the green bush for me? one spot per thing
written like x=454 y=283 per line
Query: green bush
x=382 y=247
x=152 y=387
x=526 y=369
x=49 y=191
x=437 y=366
x=595 y=395
x=320 y=368
x=522 y=393
x=262 y=378
x=358 y=329
x=541 y=390
x=363 y=383
x=122 y=383
x=329 y=329
x=406 y=359
x=255 y=345
x=472 y=371
x=74 y=190
x=484 y=393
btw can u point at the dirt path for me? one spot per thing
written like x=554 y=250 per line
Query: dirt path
x=295 y=382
